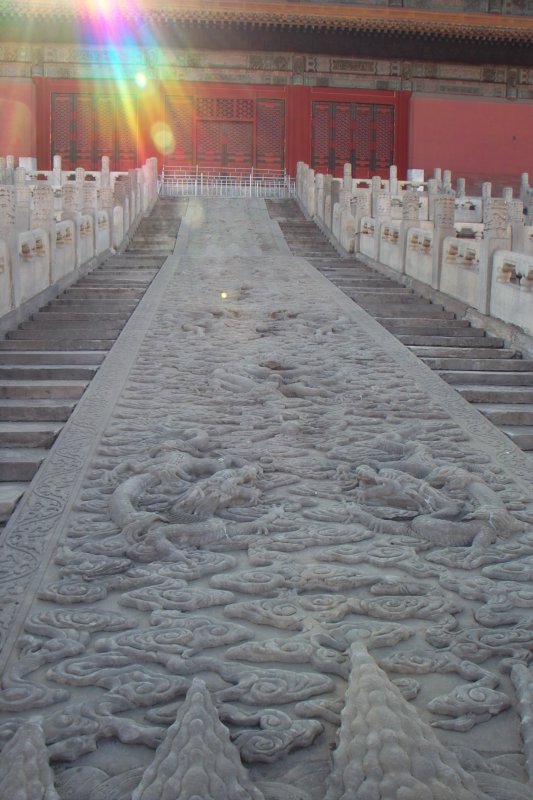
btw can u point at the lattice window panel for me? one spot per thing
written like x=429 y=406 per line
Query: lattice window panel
x=357 y=133
x=206 y=108
x=126 y=134
x=62 y=125
x=179 y=120
x=342 y=134
x=244 y=109
x=238 y=144
x=224 y=108
x=85 y=127
x=209 y=143
x=270 y=134
x=362 y=137
x=384 y=136
x=321 y=136
x=84 y=131
x=105 y=126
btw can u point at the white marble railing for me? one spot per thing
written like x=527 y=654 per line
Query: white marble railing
x=478 y=250
x=58 y=225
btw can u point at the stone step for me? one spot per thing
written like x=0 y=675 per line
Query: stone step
x=34 y=372
x=90 y=293
x=458 y=352
x=71 y=328
x=116 y=283
x=129 y=267
x=507 y=413
x=521 y=435
x=394 y=293
x=34 y=410
x=102 y=306
x=400 y=308
x=28 y=434
x=495 y=394
x=396 y=323
x=354 y=284
x=345 y=277
x=120 y=275
x=156 y=251
x=491 y=366
x=487 y=377
x=20 y=464
x=10 y=494
x=51 y=357
x=450 y=341
x=118 y=278
x=55 y=317
x=39 y=390
x=432 y=328
x=60 y=344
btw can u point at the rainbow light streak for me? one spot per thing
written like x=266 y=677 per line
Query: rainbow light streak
x=113 y=26
x=122 y=29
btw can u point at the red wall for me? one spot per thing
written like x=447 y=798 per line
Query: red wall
x=476 y=139
x=17 y=115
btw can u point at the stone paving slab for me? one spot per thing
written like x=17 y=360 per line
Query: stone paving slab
x=271 y=555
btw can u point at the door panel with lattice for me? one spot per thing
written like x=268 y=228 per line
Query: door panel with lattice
x=85 y=127
x=270 y=134
x=238 y=145
x=178 y=148
x=360 y=134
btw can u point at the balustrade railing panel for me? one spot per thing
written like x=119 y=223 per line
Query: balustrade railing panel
x=211 y=182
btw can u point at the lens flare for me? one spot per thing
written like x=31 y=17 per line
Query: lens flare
x=163 y=138
x=141 y=80
x=224 y=295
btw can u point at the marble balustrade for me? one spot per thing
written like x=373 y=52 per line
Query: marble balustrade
x=476 y=249
x=57 y=225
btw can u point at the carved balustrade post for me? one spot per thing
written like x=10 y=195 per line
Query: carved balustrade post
x=347 y=178
x=495 y=237
x=8 y=276
x=311 y=193
x=443 y=226
x=410 y=219
x=42 y=218
x=23 y=200
x=381 y=202
x=393 y=180
x=361 y=207
x=319 y=199
x=433 y=193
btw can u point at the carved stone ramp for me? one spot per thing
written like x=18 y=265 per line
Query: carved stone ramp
x=46 y=364
x=271 y=554
x=481 y=367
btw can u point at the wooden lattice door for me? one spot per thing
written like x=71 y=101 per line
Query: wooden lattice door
x=360 y=134
x=226 y=132
x=85 y=127
x=270 y=136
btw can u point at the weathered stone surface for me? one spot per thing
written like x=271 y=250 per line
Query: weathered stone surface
x=264 y=496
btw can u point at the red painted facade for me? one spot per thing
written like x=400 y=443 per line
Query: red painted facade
x=215 y=125
x=18 y=129
x=474 y=138
x=227 y=125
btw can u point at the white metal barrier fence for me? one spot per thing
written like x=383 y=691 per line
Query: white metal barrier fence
x=211 y=182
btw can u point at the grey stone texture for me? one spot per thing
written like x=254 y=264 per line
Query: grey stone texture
x=265 y=502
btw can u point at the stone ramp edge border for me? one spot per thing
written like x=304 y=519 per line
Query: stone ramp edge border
x=41 y=513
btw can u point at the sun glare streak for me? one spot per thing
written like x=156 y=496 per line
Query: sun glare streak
x=118 y=28
x=163 y=138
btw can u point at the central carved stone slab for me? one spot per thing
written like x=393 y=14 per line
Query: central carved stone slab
x=271 y=556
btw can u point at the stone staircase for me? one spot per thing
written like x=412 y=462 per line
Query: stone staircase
x=491 y=376
x=47 y=363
